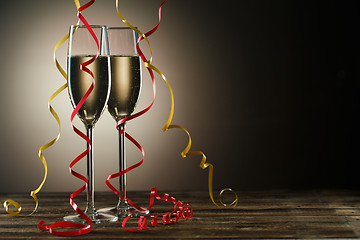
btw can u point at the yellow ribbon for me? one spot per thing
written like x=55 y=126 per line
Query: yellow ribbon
x=33 y=193
x=186 y=152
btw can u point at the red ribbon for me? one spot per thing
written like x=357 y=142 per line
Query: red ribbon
x=127 y=169
x=138 y=114
x=181 y=210
x=83 y=228
x=143 y=58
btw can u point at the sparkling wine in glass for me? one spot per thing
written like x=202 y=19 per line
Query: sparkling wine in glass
x=124 y=95
x=82 y=48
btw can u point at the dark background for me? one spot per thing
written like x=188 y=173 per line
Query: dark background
x=267 y=89
x=302 y=94
x=299 y=124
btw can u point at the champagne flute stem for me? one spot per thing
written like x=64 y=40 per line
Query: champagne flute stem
x=90 y=208
x=122 y=162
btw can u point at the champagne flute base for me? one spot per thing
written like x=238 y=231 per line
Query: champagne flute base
x=95 y=216
x=123 y=210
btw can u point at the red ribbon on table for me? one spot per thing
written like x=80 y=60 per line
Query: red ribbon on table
x=83 y=228
x=181 y=210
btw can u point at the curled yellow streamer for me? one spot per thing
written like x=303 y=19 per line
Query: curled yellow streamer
x=33 y=193
x=186 y=152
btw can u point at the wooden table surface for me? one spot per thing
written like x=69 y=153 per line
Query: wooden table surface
x=281 y=214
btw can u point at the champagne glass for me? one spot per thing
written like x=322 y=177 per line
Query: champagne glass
x=124 y=95
x=82 y=48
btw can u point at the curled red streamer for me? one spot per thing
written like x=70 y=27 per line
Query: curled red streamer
x=83 y=228
x=142 y=221
x=181 y=211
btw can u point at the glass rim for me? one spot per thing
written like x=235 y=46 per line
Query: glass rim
x=83 y=26
x=120 y=28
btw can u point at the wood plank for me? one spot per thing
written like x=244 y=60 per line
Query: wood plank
x=260 y=214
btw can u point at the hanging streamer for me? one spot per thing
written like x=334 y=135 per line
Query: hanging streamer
x=181 y=210
x=83 y=228
x=186 y=152
x=128 y=118
x=8 y=203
